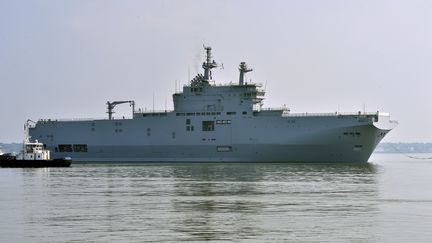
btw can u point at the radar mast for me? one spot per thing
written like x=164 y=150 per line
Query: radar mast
x=208 y=64
x=243 y=69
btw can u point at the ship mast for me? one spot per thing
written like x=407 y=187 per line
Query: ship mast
x=208 y=64
x=243 y=69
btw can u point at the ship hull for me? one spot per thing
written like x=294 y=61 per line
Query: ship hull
x=287 y=139
x=240 y=153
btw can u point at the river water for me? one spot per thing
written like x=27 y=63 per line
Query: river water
x=387 y=200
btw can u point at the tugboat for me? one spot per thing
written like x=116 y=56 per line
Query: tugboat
x=33 y=155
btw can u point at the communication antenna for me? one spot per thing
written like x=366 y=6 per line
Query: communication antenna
x=189 y=73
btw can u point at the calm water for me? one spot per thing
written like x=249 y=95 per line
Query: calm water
x=389 y=200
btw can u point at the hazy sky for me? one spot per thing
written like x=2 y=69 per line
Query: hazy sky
x=65 y=59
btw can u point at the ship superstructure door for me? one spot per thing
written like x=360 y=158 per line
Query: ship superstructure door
x=223 y=129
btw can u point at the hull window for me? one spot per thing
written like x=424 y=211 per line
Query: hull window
x=65 y=148
x=80 y=147
x=358 y=147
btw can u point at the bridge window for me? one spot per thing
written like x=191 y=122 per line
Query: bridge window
x=29 y=149
x=231 y=113
x=208 y=126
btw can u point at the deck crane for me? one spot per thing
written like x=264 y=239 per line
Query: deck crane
x=111 y=106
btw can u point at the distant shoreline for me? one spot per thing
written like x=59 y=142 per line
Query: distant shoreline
x=394 y=148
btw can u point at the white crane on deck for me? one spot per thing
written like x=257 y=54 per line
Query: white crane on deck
x=111 y=106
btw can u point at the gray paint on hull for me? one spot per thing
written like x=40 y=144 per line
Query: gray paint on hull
x=342 y=151
x=263 y=138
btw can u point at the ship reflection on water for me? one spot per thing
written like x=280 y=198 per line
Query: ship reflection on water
x=274 y=201
x=194 y=202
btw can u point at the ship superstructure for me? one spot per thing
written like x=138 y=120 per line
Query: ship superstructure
x=216 y=123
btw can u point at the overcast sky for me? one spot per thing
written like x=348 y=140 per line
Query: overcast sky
x=65 y=59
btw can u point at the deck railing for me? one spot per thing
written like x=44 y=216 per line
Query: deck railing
x=272 y=109
x=81 y=119
x=307 y=114
x=285 y=113
x=139 y=112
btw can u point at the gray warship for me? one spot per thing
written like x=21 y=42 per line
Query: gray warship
x=216 y=123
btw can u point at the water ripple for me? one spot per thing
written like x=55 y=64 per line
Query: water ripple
x=194 y=202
